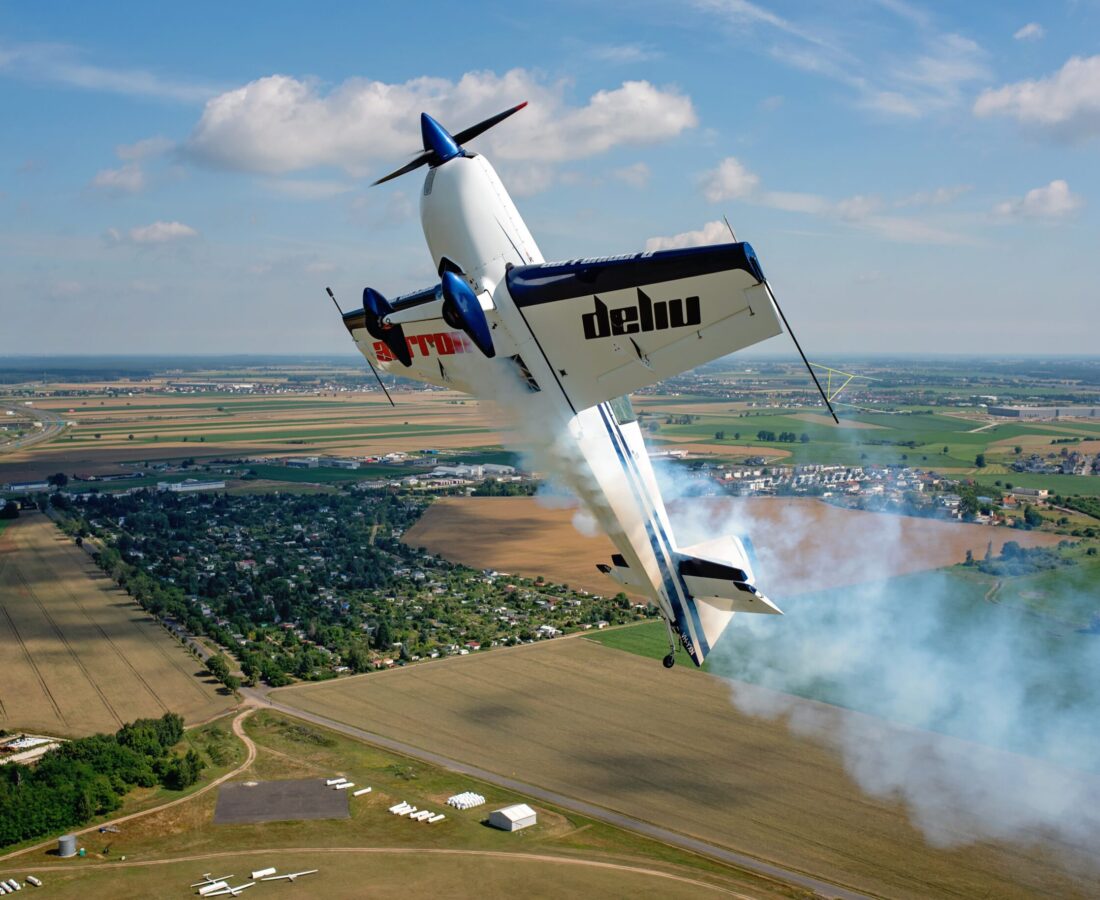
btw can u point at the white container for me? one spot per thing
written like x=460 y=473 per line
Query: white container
x=437 y=818
x=344 y=785
x=331 y=781
x=360 y=792
x=214 y=886
x=260 y=873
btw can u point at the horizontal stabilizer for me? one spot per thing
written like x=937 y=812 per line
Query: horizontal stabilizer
x=622 y=573
x=718 y=573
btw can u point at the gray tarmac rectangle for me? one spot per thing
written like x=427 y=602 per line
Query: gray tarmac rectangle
x=279 y=801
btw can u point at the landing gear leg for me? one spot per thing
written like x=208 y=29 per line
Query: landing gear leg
x=670 y=660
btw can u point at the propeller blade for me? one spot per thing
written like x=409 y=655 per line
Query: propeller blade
x=481 y=127
x=432 y=157
x=418 y=161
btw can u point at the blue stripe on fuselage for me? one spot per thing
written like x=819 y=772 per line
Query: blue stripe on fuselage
x=698 y=642
x=688 y=601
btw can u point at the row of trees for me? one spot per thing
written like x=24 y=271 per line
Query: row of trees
x=89 y=777
x=784 y=437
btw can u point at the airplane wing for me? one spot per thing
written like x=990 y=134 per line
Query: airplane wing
x=609 y=326
x=430 y=341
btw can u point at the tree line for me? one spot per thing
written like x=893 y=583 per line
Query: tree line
x=89 y=776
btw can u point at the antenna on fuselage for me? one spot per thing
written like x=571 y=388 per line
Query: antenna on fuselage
x=790 y=331
x=378 y=377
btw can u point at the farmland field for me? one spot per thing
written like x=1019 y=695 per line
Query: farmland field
x=113 y=430
x=668 y=747
x=564 y=854
x=77 y=654
x=521 y=536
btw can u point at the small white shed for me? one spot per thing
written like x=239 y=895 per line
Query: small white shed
x=512 y=818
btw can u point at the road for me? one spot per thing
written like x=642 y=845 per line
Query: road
x=52 y=426
x=664 y=835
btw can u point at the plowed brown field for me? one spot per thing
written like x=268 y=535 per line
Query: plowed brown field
x=521 y=536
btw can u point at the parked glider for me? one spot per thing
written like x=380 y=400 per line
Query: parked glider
x=559 y=346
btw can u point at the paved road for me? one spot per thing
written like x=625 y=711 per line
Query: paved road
x=52 y=426
x=663 y=835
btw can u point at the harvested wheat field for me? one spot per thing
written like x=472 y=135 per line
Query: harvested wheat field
x=77 y=655
x=791 y=537
x=668 y=747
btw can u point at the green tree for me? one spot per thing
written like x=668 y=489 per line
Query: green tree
x=58 y=479
x=1032 y=517
x=979 y=460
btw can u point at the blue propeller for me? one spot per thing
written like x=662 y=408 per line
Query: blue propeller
x=440 y=145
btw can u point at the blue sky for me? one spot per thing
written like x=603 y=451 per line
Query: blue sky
x=188 y=178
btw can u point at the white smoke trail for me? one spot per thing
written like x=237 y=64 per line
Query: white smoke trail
x=992 y=715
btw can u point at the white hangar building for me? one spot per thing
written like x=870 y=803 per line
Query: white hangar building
x=512 y=818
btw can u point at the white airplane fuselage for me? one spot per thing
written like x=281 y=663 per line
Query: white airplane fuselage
x=472 y=226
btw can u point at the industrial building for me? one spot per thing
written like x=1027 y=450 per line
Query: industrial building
x=513 y=818
x=336 y=462
x=1046 y=412
x=304 y=462
x=191 y=484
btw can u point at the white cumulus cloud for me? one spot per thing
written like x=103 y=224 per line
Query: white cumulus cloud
x=1054 y=201
x=280 y=124
x=144 y=149
x=1032 y=31
x=730 y=181
x=127 y=179
x=711 y=233
x=155 y=233
x=1065 y=104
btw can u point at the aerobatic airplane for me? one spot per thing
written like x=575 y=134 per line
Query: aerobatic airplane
x=559 y=347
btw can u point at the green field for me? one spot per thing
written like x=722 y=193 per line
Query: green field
x=939 y=441
x=1066 y=485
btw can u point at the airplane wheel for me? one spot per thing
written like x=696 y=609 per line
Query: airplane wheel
x=669 y=661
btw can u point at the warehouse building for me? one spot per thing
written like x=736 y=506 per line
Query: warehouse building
x=1046 y=412
x=513 y=818
x=182 y=487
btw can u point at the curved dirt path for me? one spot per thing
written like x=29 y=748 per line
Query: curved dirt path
x=238 y=730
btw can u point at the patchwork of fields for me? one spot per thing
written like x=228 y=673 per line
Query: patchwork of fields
x=156 y=426
x=669 y=747
x=77 y=655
